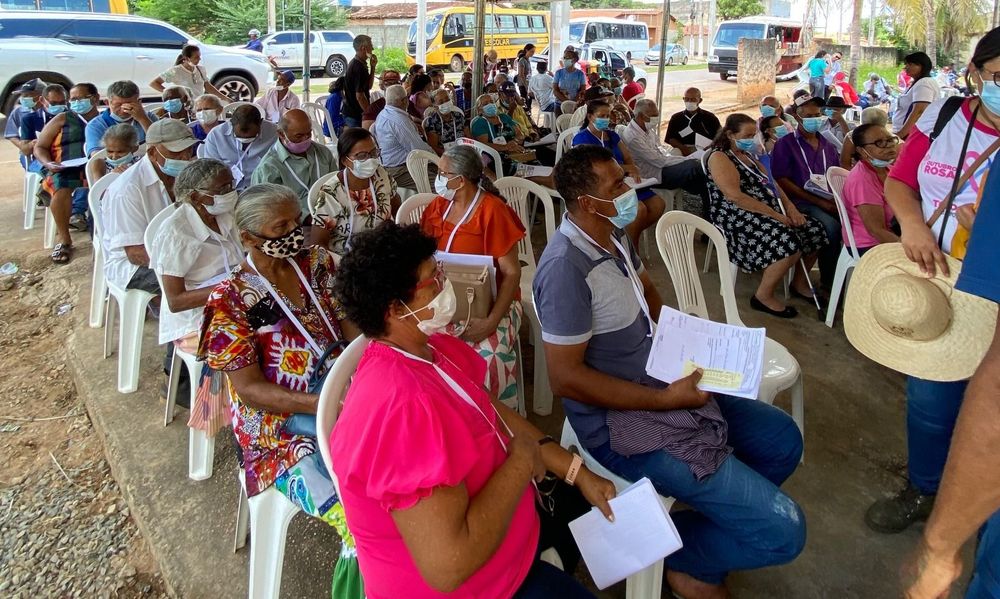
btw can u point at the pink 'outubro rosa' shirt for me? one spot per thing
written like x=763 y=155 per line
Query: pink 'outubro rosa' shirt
x=402 y=433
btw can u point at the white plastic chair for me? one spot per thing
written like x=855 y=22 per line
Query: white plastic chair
x=314 y=190
x=568 y=106
x=317 y=115
x=565 y=141
x=98 y=285
x=516 y=190
x=417 y=163
x=619 y=129
x=412 y=208
x=32 y=183
x=675 y=233
x=485 y=149
x=849 y=255
x=330 y=396
x=98 y=156
x=268 y=515
x=548 y=120
x=635 y=99
x=645 y=584
x=563 y=121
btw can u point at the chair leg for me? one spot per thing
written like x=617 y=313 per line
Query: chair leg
x=645 y=584
x=130 y=340
x=29 y=202
x=270 y=514
x=173 y=381
x=98 y=291
x=843 y=266
x=49 y=231
x=542 y=402
x=110 y=311
x=242 y=521
x=708 y=257
x=201 y=454
x=799 y=412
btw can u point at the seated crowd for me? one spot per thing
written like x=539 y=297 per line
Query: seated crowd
x=276 y=245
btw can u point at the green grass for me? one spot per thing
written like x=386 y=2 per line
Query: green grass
x=887 y=73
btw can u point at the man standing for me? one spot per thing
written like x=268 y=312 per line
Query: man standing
x=295 y=160
x=30 y=102
x=254 y=44
x=692 y=129
x=241 y=143
x=397 y=136
x=389 y=78
x=358 y=81
x=124 y=106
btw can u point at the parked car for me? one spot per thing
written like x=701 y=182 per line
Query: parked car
x=595 y=57
x=676 y=54
x=68 y=48
x=328 y=50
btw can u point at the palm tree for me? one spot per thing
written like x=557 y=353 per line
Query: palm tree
x=852 y=75
x=949 y=23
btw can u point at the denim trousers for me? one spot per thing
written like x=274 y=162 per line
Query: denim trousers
x=817 y=87
x=351 y=122
x=931 y=411
x=985 y=583
x=830 y=253
x=740 y=518
x=545 y=581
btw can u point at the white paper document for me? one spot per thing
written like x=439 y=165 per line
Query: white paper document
x=470 y=260
x=531 y=170
x=74 y=162
x=545 y=141
x=732 y=357
x=641 y=535
x=641 y=183
x=701 y=142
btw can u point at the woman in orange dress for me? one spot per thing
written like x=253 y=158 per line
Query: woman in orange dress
x=470 y=217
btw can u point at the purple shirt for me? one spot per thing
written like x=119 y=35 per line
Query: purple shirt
x=795 y=159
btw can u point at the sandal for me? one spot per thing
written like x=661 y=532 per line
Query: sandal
x=788 y=312
x=62 y=253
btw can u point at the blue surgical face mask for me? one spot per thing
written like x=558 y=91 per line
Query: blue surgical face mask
x=490 y=110
x=120 y=119
x=55 y=109
x=813 y=124
x=116 y=162
x=618 y=91
x=828 y=112
x=879 y=163
x=171 y=166
x=767 y=111
x=780 y=131
x=627 y=205
x=27 y=103
x=747 y=145
x=173 y=105
x=81 y=106
x=602 y=123
x=990 y=96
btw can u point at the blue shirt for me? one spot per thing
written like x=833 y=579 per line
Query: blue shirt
x=255 y=45
x=101 y=123
x=32 y=124
x=12 y=130
x=981 y=269
x=333 y=102
x=611 y=141
x=570 y=83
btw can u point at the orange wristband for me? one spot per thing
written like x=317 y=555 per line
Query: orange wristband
x=574 y=469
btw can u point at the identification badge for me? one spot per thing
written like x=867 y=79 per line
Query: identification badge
x=687 y=131
x=237 y=173
x=820 y=182
x=500 y=141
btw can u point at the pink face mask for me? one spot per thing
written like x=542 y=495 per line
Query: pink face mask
x=297 y=148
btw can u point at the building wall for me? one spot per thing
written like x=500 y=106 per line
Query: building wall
x=385 y=33
x=883 y=56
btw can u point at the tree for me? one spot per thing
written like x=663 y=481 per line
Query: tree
x=852 y=75
x=737 y=9
x=943 y=27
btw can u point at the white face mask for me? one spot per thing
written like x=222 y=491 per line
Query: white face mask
x=207 y=117
x=281 y=88
x=441 y=188
x=446 y=107
x=224 y=204
x=691 y=106
x=246 y=140
x=364 y=169
x=444 y=306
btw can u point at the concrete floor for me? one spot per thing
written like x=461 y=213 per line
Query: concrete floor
x=855 y=452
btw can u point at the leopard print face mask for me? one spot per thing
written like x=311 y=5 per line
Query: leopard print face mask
x=286 y=246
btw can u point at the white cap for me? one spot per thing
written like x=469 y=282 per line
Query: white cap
x=254 y=32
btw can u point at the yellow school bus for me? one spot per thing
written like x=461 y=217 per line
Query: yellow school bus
x=450 y=30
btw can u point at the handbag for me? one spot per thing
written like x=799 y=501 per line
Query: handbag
x=473 y=289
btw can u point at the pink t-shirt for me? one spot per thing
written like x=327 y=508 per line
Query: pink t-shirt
x=863 y=186
x=402 y=433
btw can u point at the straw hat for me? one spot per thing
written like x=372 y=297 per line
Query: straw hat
x=922 y=327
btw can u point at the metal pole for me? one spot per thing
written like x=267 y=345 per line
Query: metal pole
x=306 y=46
x=661 y=67
x=478 y=50
x=421 y=51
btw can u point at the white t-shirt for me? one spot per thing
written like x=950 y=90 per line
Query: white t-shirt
x=194 y=81
x=540 y=85
x=924 y=90
x=186 y=247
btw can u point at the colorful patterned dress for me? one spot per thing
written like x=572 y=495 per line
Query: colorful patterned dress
x=348 y=212
x=68 y=145
x=244 y=327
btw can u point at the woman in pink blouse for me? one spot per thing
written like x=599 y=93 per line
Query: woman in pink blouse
x=871 y=217
x=437 y=477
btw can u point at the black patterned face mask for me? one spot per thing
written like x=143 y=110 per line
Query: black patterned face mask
x=286 y=246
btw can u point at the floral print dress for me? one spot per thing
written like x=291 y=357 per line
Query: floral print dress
x=348 y=212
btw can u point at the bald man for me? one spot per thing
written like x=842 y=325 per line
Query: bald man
x=295 y=160
x=770 y=106
x=692 y=129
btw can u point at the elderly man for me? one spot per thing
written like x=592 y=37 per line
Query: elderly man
x=241 y=143
x=397 y=136
x=279 y=99
x=124 y=106
x=177 y=104
x=295 y=160
x=32 y=102
x=135 y=197
x=389 y=78
x=655 y=160
x=208 y=113
x=770 y=106
x=692 y=129
x=358 y=81
x=725 y=457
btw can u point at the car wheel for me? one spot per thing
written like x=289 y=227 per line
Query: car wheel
x=724 y=76
x=684 y=60
x=336 y=66
x=457 y=64
x=236 y=88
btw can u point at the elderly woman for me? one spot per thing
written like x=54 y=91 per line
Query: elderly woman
x=497 y=130
x=208 y=113
x=445 y=124
x=188 y=72
x=436 y=474
x=121 y=144
x=268 y=327
x=746 y=208
x=196 y=247
x=176 y=104
x=870 y=216
x=872 y=115
x=470 y=217
x=361 y=196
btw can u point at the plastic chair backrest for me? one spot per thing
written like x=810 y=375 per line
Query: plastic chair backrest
x=675 y=233
x=620 y=129
x=412 y=209
x=232 y=106
x=94 y=197
x=417 y=164
x=99 y=157
x=516 y=190
x=313 y=194
x=634 y=99
x=836 y=177
x=317 y=116
x=562 y=121
x=568 y=107
x=565 y=141
x=484 y=149
x=333 y=392
x=199 y=151
x=152 y=228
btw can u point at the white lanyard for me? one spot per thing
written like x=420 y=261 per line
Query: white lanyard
x=798 y=143
x=350 y=207
x=465 y=217
x=633 y=276
x=751 y=169
x=288 y=311
x=291 y=171
x=222 y=242
x=239 y=161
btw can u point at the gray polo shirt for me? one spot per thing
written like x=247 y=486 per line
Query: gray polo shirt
x=583 y=295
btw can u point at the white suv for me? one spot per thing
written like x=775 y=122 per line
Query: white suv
x=70 y=48
x=328 y=50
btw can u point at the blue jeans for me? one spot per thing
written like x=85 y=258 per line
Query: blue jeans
x=830 y=253
x=931 y=411
x=985 y=582
x=545 y=581
x=741 y=519
x=351 y=122
x=817 y=87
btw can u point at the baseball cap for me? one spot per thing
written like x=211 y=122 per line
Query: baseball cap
x=802 y=100
x=171 y=134
x=289 y=76
x=33 y=85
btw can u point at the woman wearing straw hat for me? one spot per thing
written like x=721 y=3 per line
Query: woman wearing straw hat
x=933 y=189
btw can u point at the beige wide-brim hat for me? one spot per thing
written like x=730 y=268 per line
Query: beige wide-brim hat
x=920 y=326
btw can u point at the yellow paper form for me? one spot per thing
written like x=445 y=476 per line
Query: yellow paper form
x=716 y=377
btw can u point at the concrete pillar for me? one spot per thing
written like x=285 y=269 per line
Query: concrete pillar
x=478 y=48
x=272 y=17
x=421 y=53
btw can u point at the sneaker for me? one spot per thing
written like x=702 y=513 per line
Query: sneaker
x=78 y=222
x=896 y=514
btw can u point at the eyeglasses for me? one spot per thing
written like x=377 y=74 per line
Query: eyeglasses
x=376 y=153
x=437 y=278
x=995 y=75
x=887 y=142
x=216 y=192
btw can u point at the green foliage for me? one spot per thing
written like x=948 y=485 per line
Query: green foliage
x=737 y=9
x=887 y=73
x=957 y=22
x=391 y=58
x=189 y=15
x=590 y=4
x=886 y=34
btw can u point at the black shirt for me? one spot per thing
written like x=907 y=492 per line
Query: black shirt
x=701 y=122
x=356 y=80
